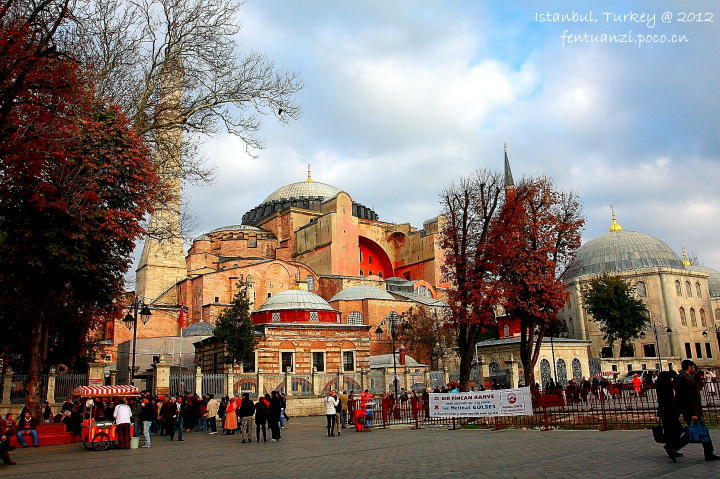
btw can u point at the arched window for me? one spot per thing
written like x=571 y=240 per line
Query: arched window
x=361 y=273
x=561 y=372
x=703 y=321
x=544 y=372
x=698 y=291
x=493 y=368
x=355 y=318
x=109 y=330
x=683 y=319
x=678 y=288
x=576 y=369
x=693 y=319
x=310 y=282
x=506 y=330
x=641 y=290
x=688 y=289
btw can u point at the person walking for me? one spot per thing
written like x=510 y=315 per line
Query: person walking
x=330 y=404
x=274 y=415
x=668 y=413
x=687 y=394
x=147 y=416
x=261 y=412
x=213 y=406
x=246 y=411
x=343 y=398
x=123 y=419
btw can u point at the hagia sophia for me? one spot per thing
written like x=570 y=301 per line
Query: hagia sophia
x=322 y=271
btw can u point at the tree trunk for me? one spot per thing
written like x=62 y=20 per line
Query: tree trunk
x=466 y=350
x=35 y=367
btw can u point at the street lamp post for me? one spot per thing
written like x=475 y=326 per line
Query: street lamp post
x=392 y=321
x=130 y=321
x=657 y=342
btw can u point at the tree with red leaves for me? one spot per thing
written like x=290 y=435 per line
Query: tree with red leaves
x=75 y=184
x=470 y=208
x=536 y=234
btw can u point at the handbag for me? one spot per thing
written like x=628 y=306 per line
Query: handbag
x=697 y=433
x=658 y=433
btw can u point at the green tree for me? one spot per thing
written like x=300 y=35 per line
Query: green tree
x=611 y=302
x=236 y=330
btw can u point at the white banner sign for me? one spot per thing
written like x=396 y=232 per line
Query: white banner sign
x=502 y=402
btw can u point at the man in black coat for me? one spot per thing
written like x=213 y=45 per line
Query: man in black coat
x=687 y=397
x=274 y=415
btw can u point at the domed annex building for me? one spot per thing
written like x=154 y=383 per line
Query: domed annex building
x=683 y=300
x=321 y=271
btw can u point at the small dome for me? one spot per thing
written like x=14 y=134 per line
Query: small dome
x=621 y=250
x=202 y=238
x=237 y=228
x=295 y=299
x=713 y=279
x=199 y=329
x=361 y=292
x=303 y=189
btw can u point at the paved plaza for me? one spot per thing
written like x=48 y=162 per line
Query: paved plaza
x=306 y=452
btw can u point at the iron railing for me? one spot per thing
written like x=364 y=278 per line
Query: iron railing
x=591 y=408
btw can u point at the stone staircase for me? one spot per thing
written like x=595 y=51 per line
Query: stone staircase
x=49 y=435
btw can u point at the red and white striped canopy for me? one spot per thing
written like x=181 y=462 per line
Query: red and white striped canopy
x=105 y=391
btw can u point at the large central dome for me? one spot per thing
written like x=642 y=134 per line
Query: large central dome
x=307 y=195
x=303 y=189
x=619 y=251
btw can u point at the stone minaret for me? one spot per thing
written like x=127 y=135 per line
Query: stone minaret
x=162 y=263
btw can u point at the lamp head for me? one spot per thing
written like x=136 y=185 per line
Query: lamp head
x=129 y=320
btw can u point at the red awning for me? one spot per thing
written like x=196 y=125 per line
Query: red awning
x=105 y=391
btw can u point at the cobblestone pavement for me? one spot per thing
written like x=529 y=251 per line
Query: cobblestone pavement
x=306 y=452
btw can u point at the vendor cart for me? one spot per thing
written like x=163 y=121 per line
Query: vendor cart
x=100 y=434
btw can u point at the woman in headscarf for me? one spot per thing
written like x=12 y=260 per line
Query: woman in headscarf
x=230 y=424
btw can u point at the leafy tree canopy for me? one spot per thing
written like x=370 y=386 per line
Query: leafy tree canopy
x=236 y=330
x=611 y=302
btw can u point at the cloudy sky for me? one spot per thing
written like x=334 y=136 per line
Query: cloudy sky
x=402 y=97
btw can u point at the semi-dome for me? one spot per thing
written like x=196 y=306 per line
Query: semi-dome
x=361 y=292
x=713 y=279
x=295 y=299
x=621 y=250
x=303 y=189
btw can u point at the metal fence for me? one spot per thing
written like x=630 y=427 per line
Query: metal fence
x=273 y=382
x=591 y=408
x=215 y=384
x=246 y=384
x=17 y=392
x=65 y=383
x=181 y=383
x=301 y=385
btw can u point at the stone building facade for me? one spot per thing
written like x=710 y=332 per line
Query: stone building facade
x=304 y=236
x=682 y=300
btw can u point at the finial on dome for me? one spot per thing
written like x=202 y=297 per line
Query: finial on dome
x=309 y=177
x=685 y=261
x=614 y=226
